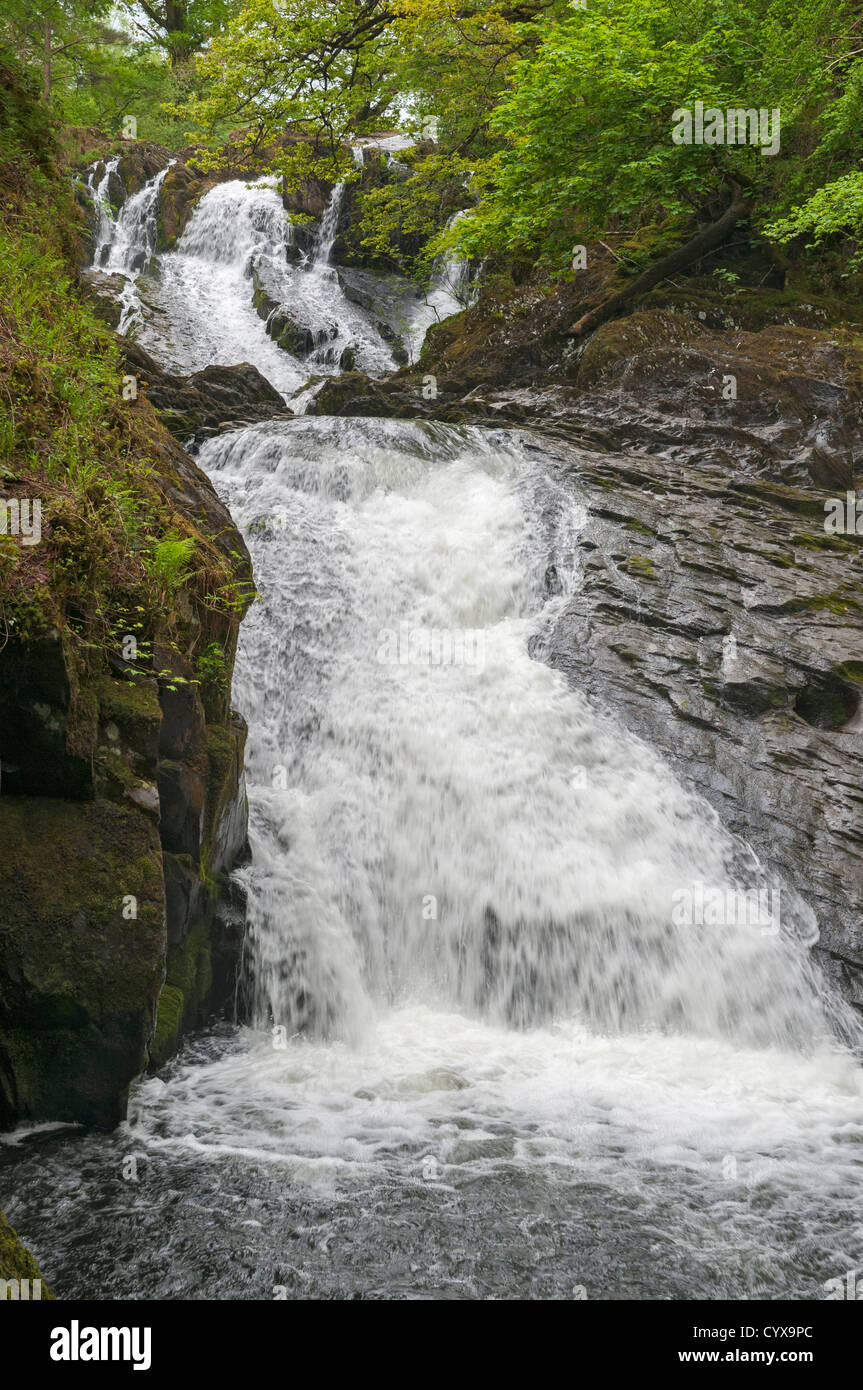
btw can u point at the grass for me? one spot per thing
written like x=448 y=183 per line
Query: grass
x=114 y=550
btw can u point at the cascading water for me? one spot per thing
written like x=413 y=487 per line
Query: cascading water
x=330 y=225
x=201 y=294
x=545 y=897
x=100 y=190
x=127 y=244
x=448 y=293
x=485 y=1060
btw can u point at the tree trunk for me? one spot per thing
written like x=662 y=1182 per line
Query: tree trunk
x=684 y=256
x=46 y=64
x=175 y=25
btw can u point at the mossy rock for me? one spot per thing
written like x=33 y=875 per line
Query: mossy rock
x=615 y=342
x=169 y=1019
x=16 y=1262
x=82 y=950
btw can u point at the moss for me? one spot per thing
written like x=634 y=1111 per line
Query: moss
x=169 y=1018
x=823 y=542
x=615 y=342
x=850 y=671
x=16 y=1262
x=837 y=602
x=190 y=970
x=640 y=567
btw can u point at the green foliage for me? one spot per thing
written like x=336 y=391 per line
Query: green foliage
x=168 y=562
x=553 y=122
x=588 y=123
x=212 y=667
x=113 y=550
x=833 y=210
x=401 y=222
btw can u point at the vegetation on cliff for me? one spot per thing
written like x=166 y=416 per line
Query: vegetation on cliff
x=74 y=437
x=122 y=808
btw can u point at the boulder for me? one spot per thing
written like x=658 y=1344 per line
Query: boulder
x=182 y=189
x=201 y=404
x=102 y=293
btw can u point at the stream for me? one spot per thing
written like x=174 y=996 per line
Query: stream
x=484 y=1060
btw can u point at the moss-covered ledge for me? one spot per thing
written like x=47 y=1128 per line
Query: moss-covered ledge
x=18 y=1265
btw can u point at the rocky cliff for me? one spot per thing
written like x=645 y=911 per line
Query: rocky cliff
x=122 y=805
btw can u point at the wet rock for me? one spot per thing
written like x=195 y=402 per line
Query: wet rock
x=713 y=614
x=182 y=189
x=388 y=299
x=110 y=781
x=141 y=162
x=115 y=191
x=714 y=620
x=289 y=334
x=200 y=404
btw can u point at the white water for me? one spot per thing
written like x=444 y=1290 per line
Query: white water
x=544 y=1083
x=449 y=292
x=193 y=306
x=125 y=245
x=595 y=1098
x=330 y=224
x=202 y=295
x=457 y=782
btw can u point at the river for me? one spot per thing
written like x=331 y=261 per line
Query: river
x=484 y=1061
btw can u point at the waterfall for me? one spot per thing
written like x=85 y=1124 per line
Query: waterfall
x=330 y=225
x=195 y=307
x=450 y=823
x=125 y=245
x=488 y=1058
x=100 y=191
x=448 y=293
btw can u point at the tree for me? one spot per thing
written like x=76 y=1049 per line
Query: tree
x=180 y=28
x=55 y=34
x=588 y=124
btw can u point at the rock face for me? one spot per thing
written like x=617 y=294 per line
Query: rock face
x=182 y=189
x=200 y=405
x=103 y=292
x=283 y=324
x=122 y=813
x=142 y=162
x=717 y=618
x=714 y=614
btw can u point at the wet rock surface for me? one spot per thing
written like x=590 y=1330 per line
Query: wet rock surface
x=719 y=621
x=122 y=813
x=103 y=293
x=196 y=406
